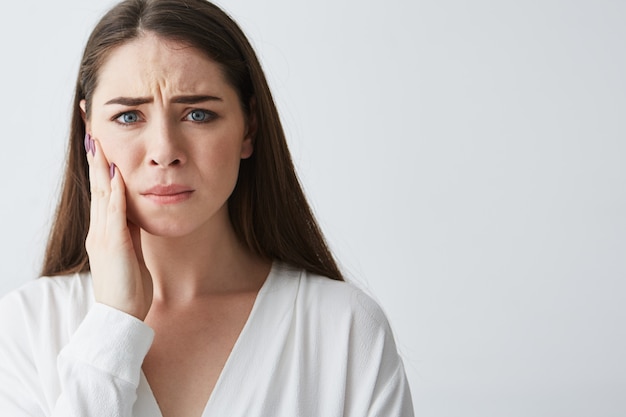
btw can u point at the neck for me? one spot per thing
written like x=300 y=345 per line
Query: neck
x=205 y=263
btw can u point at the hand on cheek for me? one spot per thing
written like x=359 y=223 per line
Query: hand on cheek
x=120 y=277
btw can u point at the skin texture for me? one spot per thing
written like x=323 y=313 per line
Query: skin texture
x=164 y=146
x=164 y=115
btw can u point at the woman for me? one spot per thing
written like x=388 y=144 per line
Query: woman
x=185 y=273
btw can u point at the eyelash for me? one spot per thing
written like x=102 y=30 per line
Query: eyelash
x=120 y=115
x=209 y=116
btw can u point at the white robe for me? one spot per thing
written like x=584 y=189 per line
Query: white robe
x=310 y=347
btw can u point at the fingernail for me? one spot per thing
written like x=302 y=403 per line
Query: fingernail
x=93 y=146
x=112 y=170
x=87 y=142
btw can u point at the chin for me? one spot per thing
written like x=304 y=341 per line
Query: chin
x=165 y=230
x=165 y=226
x=180 y=223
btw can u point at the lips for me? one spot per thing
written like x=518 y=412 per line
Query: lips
x=168 y=194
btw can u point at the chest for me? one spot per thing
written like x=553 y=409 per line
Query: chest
x=190 y=351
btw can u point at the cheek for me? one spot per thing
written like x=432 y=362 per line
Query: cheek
x=117 y=149
x=123 y=154
x=221 y=160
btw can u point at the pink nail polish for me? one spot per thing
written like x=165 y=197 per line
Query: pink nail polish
x=87 y=142
x=93 y=146
x=112 y=170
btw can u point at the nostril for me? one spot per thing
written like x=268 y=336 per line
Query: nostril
x=174 y=162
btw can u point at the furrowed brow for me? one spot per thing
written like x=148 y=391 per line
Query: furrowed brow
x=130 y=101
x=137 y=101
x=194 y=99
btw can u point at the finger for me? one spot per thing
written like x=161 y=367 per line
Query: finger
x=116 y=209
x=92 y=176
x=100 y=183
x=135 y=233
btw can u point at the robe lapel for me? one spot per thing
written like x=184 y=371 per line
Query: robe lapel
x=241 y=389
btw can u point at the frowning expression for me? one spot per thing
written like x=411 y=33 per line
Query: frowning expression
x=166 y=116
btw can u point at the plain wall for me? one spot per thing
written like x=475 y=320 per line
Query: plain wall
x=465 y=160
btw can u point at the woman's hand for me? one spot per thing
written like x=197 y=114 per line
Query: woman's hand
x=120 y=277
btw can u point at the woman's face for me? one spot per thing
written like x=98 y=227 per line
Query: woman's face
x=165 y=116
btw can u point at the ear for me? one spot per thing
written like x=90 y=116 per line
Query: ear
x=83 y=113
x=247 y=147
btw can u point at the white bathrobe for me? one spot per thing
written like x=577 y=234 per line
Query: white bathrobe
x=310 y=347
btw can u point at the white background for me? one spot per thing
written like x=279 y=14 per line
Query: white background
x=465 y=159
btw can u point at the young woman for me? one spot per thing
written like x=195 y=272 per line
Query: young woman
x=185 y=274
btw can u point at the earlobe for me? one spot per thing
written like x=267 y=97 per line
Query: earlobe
x=247 y=147
x=83 y=112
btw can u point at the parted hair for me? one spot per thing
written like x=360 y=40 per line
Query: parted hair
x=268 y=208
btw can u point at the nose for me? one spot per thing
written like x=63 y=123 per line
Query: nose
x=165 y=147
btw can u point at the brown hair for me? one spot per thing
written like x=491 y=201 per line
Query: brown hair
x=268 y=209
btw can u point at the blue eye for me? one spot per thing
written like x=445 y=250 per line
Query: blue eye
x=128 y=118
x=200 y=116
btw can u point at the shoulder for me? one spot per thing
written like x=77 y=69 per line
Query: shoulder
x=334 y=309
x=50 y=289
x=341 y=298
x=348 y=334
x=37 y=320
x=47 y=298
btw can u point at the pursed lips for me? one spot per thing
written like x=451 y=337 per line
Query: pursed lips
x=168 y=194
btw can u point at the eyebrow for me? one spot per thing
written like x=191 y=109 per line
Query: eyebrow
x=137 y=101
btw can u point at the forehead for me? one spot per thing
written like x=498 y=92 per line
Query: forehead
x=150 y=63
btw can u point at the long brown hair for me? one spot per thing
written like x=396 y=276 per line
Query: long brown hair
x=268 y=209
